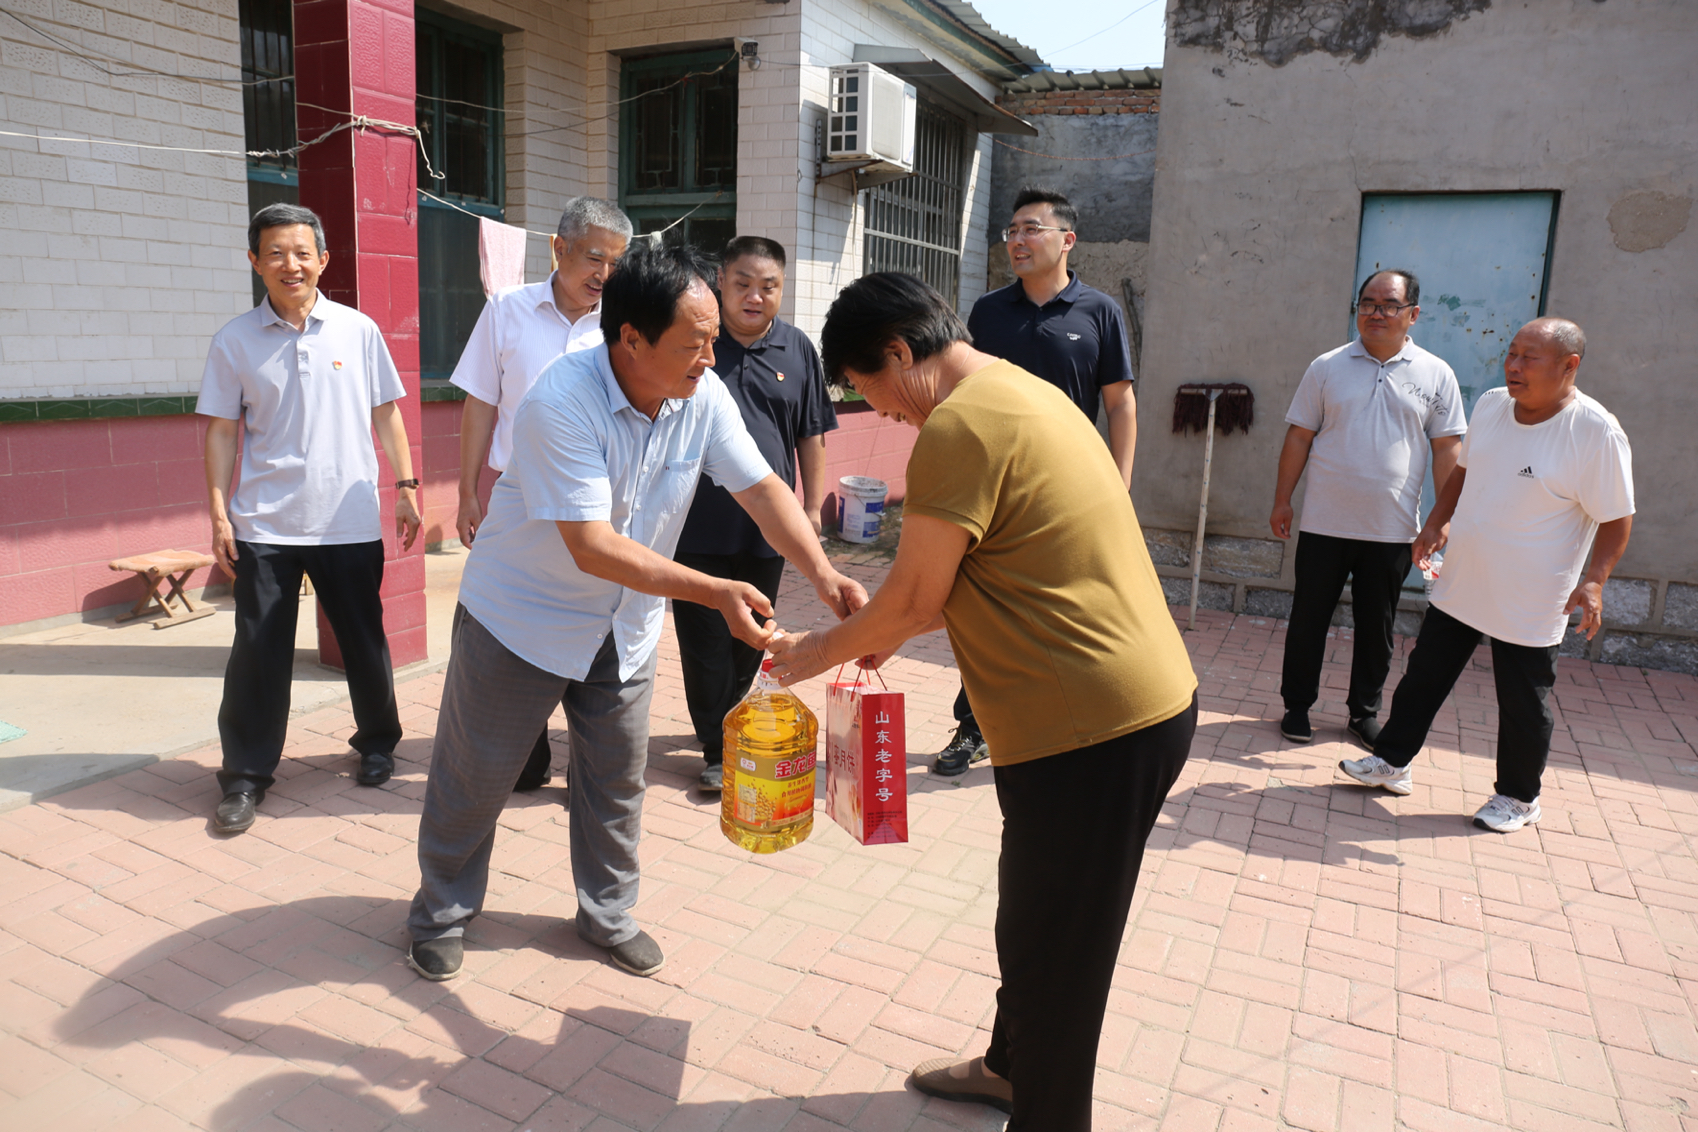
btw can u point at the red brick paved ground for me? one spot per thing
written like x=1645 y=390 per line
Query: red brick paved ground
x=1302 y=953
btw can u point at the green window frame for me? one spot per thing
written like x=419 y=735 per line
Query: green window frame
x=266 y=29
x=461 y=87
x=678 y=145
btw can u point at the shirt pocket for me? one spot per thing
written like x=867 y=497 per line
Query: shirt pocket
x=677 y=486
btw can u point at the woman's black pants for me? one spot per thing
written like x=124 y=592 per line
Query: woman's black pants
x=1073 y=833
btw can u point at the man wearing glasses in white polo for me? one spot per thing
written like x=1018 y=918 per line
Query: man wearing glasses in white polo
x=1051 y=323
x=1368 y=419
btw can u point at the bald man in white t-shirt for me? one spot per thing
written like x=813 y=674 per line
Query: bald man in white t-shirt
x=1545 y=475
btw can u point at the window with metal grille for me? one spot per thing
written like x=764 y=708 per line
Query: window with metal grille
x=459 y=114
x=914 y=225
x=678 y=146
x=267 y=31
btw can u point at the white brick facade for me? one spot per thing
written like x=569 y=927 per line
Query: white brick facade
x=118 y=263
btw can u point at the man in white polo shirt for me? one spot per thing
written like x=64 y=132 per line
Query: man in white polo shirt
x=1363 y=421
x=308 y=380
x=520 y=331
x=1545 y=475
x=563 y=599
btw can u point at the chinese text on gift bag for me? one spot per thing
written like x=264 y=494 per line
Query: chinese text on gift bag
x=866 y=762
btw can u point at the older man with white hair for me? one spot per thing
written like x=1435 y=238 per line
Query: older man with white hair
x=520 y=331
x=1545 y=474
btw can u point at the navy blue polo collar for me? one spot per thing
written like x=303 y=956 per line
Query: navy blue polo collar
x=1068 y=294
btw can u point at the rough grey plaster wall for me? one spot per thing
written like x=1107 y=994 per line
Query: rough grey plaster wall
x=1257 y=207
x=1113 y=197
x=1278 y=31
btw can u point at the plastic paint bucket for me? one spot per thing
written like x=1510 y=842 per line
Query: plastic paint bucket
x=860 y=507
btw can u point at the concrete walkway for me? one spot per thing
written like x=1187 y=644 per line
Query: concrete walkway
x=100 y=698
x=1302 y=954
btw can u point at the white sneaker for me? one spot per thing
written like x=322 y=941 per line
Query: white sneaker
x=1375 y=771
x=1506 y=815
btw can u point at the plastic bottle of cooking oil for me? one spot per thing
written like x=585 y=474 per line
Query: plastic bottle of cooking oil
x=770 y=740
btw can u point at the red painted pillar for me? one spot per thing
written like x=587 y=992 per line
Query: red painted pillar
x=355 y=57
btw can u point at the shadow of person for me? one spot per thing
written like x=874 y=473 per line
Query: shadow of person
x=307 y=1013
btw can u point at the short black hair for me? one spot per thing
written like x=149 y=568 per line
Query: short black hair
x=644 y=288
x=756 y=246
x=876 y=310
x=1058 y=203
x=1411 y=285
x=282 y=215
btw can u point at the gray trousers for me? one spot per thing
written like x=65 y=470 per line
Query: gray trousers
x=493 y=706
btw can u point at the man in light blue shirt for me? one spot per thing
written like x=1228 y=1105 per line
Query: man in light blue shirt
x=563 y=599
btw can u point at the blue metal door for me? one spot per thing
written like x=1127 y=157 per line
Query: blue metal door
x=1481 y=260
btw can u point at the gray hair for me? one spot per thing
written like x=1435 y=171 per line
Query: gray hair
x=583 y=213
x=1563 y=334
x=283 y=215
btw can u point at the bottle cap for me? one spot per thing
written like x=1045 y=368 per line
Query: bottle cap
x=766 y=664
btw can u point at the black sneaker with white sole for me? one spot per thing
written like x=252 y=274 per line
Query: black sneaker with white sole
x=1295 y=726
x=966 y=748
x=1366 y=730
x=437 y=959
x=640 y=955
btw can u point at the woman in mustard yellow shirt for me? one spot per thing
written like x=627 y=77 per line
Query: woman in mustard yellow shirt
x=1018 y=537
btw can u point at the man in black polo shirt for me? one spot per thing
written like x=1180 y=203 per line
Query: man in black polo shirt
x=1051 y=323
x=774 y=375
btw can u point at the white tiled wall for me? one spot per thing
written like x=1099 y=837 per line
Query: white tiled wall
x=117 y=263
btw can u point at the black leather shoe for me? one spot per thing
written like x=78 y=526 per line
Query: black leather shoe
x=535 y=774
x=375 y=768
x=1295 y=726
x=235 y=813
x=712 y=778
x=1366 y=730
x=966 y=748
x=437 y=959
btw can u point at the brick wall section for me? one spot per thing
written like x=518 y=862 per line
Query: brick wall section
x=1140 y=101
x=76 y=494
x=117 y=264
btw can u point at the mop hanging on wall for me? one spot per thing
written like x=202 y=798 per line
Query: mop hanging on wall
x=1204 y=407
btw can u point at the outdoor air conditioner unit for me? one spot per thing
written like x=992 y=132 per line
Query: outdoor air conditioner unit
x=871 y=118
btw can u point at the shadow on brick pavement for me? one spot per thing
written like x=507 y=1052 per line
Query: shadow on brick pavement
x=1302 y=953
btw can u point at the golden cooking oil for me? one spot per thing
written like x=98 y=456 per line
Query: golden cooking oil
x=770 y=742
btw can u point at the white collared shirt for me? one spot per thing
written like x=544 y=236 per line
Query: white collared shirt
x=309 y=468
x=582 y=453
x=519 y=332
x=1374 y=423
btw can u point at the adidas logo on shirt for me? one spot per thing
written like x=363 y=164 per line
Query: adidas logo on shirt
x=1527 y=471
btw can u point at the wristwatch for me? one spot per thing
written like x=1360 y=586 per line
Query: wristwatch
x=407 y=483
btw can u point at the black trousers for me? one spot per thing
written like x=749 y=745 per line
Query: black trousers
x=718 y=668
x=1073 y=833
x=254 y=716
x=1376 y=571
x=964 y=713
x=1524 y=675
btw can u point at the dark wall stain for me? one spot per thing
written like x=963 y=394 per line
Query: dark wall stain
x=1277 y=31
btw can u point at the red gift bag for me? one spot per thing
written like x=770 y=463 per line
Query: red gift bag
x=866 y=767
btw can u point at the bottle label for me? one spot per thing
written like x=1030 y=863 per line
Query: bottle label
x=767 y=794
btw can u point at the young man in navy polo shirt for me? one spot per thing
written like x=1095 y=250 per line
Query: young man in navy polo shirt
x=1051 y=323
x=774 y=376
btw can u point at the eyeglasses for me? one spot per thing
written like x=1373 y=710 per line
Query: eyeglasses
x=1390 y=310
x=1028 y=231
